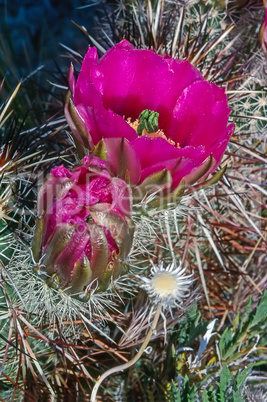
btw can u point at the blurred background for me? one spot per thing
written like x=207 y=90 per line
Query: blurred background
x=31 y=31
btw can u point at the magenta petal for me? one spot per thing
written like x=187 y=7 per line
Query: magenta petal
x=145 y=79
x=124 y=44
x=54 y=216
x=157 y=154
x=152 y=151
x=90 y=73
x=91 y=193
x=179 y=168
x=103 y=123
x=47 y=195
x=61 y=171
x=218 y=149
x=55 y=187
x=185 y=170
x=216 y=152
x=121 y=197
x=200 y=116
x=92 y=160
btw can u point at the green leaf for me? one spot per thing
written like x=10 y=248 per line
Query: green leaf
x=241 y=377
x=173 y=393
x=260 y=313
x=237 y=396
x=236 y=322
x=205 y=397
x=225 y=342
x=225 y=377
x=245 y=313
x=189 y=393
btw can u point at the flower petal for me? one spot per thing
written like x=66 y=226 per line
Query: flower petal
x=102 y=123
x=218 y=149
x=157 y=154
x=89 y=80
x=200 y=116
x=134 y=80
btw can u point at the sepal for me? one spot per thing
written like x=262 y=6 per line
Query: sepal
x=121 y=157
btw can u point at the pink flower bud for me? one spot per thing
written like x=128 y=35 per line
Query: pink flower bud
x=84 y=231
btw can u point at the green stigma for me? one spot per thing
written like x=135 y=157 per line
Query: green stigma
x=149 y=120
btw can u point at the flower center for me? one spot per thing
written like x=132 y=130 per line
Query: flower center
x=149 y=121
x=164 y=284
x=147 y=124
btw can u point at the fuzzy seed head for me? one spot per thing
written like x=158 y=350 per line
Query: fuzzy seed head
x=164 y=285
x=168 y=286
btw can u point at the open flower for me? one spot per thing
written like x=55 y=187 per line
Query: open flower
x=84 y=231
x=167 y=286
x=146 y=114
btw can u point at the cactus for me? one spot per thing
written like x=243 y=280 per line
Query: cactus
x=90 y=284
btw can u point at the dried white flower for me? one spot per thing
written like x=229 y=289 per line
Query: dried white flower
x=167 y=286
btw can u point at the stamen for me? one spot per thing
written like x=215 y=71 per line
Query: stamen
x=147 y=125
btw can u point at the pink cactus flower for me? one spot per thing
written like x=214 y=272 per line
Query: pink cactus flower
x=84 y=232
x=145 y=113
